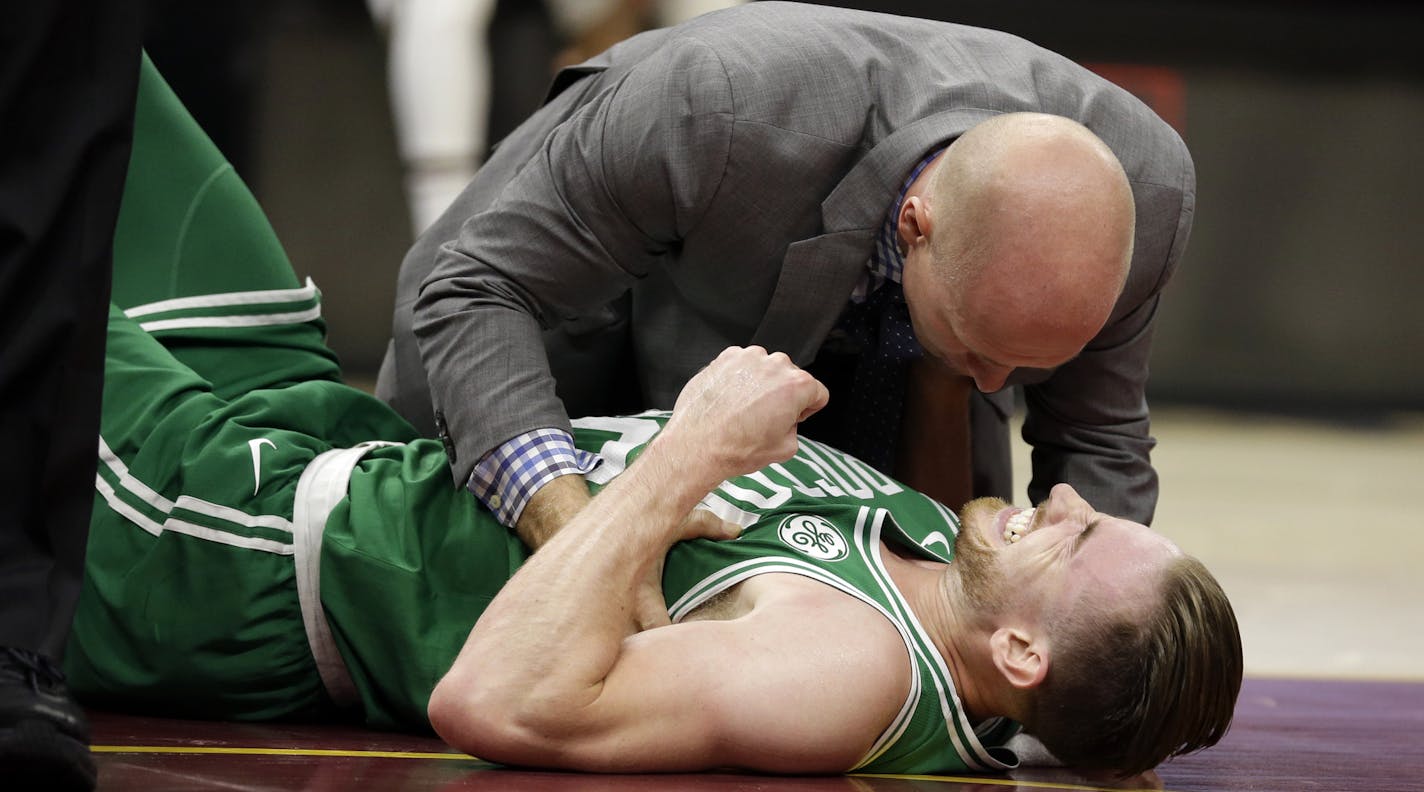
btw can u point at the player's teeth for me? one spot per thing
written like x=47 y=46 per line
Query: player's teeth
x=1016 y=526
x=1019 y=522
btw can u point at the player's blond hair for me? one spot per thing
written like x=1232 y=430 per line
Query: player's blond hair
x=1126 y=694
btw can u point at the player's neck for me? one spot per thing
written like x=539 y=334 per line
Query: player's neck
x=931 y=595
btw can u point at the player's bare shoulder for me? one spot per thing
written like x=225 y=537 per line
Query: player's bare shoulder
x=841 y=661
x=831 y=624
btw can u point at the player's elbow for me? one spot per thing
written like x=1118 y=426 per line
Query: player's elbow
x=490 y=722
x=470 y=717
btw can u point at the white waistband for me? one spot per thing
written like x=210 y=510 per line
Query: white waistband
x=322 y=485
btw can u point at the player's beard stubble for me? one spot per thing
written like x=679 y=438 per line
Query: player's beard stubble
x=983 y=580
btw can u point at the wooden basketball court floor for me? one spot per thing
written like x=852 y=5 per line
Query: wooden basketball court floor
x=1289 y=735
x=1311 y=528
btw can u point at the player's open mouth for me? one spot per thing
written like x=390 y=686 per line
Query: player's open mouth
x=1018 y=526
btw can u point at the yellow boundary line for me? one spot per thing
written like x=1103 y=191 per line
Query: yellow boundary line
x=319 y=752
x=237 y=751
x=1008 y=782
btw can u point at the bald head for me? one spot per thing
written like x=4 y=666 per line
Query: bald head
x=1033 y=226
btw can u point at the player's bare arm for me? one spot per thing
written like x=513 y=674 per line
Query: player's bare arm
x=556 y=674
x=551 y=508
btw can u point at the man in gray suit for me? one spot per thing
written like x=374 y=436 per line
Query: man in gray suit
x=763 y=176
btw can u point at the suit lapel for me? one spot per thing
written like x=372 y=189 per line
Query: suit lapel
x=817 y=277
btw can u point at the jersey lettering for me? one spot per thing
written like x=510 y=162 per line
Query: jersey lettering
x=835 y=474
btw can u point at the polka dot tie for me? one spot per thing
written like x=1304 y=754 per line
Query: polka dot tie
x=888 y=346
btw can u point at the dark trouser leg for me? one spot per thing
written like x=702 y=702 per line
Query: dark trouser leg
x=69 y=72
x=67 y=77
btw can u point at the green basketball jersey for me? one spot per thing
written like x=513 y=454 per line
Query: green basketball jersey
x=823 y=515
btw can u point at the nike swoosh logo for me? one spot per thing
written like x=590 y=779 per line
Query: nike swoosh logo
x=256 y=447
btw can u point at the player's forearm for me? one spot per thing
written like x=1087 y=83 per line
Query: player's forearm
x=537 y=658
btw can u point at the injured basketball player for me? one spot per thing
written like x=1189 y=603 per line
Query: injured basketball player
x=1099 y=636
x=291 y=550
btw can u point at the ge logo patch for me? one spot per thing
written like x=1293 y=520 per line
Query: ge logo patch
x=814 y=536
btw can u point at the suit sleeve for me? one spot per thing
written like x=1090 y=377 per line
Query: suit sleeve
x=599 y=205
x=1089 y=423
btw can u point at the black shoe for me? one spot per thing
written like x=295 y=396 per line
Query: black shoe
x=44 y=739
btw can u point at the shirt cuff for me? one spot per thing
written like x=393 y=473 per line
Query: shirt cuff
x=507 y=477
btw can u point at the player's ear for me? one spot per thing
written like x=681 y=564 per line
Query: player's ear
x=1020 y=657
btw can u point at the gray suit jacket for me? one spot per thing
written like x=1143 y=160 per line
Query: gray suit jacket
x=721 y=183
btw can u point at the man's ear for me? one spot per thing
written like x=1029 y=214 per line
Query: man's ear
x=913 y=223
x=1020 y=657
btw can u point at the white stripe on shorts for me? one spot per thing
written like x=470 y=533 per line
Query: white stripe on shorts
x=265 y=297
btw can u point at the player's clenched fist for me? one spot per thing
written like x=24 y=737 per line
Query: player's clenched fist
x=740 y=413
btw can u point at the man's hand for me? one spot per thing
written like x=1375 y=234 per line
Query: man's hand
x=740 y=413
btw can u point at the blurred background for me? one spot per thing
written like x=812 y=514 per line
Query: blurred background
x=1288 y=372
